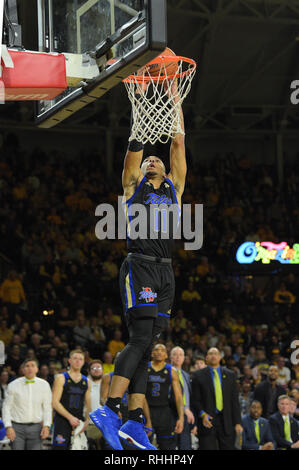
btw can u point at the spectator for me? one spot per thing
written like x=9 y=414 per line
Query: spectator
x=108 y=365
x=294 y=411
x=191 y=294
x=52 y=372
x=246 y=376
x=282 y=295
x=12 y=292
x=177 y=357
x=95 y=379
x=245 y=398
x=284 y=373
x=257 y=433
x=251 y=356
x=284 y=428
x=116 y=344
x=65 y=323
x=27 y=405
x=218 y=413
x=4 y=376
x=261 y=364
x=6 y=334
x=14 y=359
x=200 y=363
x=268 y=391
x=82 y=333
x=44 y=373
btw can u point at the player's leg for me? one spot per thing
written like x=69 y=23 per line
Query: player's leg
x=133 y=431
x=137 y=288
x=164 y=428
x=62 y=432
x=131 y=361
x=140 y=336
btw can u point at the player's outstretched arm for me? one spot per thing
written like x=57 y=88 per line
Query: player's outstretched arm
x=132 y=174
x=178 y=165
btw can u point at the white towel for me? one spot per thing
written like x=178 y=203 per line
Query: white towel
x=79 y=441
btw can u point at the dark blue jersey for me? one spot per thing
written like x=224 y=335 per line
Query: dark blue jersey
x=159 y=386
x=73 y=395
x=159 y=225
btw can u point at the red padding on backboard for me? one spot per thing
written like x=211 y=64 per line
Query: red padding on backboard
x=35 y=76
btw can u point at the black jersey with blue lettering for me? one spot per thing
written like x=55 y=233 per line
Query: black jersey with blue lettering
x=157 y=220
x=73 y=395
x=158 y=386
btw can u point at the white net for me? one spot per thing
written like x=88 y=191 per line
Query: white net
x=157 y=100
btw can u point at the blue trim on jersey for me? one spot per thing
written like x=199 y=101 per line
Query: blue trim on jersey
x=174 y=194
x=66 y=376
x=85 y=379
x=129 y=201
x=143 y=305
x=169 y=368
x=131 y=286
x=126 y=299
x=173 y=190
x=163 y=315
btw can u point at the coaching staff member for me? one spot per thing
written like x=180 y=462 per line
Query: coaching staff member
x=215 y=401
x=27 y=409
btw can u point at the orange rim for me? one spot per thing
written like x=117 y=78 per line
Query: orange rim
x=162 y=59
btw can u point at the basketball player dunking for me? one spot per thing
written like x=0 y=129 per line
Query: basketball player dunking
x=147 y=289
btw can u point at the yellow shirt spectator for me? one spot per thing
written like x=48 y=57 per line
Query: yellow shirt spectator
x=284 y=296
x=12 y=291
x=107 y=368
x=190 y=294
x=115 y=346
x=6 y=334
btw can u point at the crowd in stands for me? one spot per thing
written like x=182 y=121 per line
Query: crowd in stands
x=59 y=283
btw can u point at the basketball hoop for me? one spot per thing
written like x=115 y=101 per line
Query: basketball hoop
x=156 y=93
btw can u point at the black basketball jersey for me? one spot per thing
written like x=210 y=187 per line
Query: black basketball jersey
x=73 y=395
x=158 y=386
x=158 y=222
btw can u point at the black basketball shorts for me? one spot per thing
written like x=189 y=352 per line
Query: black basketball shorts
x=147 y=289
x=62 y=433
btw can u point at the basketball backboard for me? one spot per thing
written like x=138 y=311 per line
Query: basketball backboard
x=126 y=33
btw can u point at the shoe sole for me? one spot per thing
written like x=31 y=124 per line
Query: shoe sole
x=129 y=440
x=102 y=428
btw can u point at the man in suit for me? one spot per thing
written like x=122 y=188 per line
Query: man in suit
x=183 y=440
x=268 y=391
x=284 y=427
x=215 y=400
x=257 y=433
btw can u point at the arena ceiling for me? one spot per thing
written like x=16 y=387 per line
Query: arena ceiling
x=248 y=55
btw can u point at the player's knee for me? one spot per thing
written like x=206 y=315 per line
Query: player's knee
x=140 y=334
x=141 y=342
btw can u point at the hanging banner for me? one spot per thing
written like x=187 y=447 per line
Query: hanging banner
x=267 y=252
